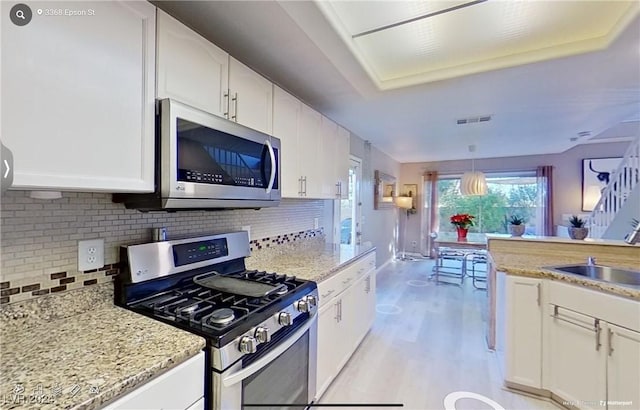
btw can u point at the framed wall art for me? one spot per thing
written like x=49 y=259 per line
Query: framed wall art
x=596 y=174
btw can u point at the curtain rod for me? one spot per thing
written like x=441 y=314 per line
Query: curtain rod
x=490 y=171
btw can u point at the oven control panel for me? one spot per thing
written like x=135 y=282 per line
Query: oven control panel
x=186 y=253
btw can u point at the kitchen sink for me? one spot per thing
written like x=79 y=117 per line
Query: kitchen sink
x=603 y=273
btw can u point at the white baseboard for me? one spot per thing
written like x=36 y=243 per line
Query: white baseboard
x=384 y=265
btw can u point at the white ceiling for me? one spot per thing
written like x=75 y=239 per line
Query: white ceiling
x=536 y=107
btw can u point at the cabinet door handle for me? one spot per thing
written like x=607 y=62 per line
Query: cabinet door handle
x=235 y=111
x=538 y=300
x=610 y=341
x=557 y=316
x=226 y=104
x=337 y=317
x=337 y=189
x=300 y=186
x=326 y=295
x=598 y=329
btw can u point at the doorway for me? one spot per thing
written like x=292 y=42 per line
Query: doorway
x=351 y=208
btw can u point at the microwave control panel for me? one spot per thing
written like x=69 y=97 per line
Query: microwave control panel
x=218 y=179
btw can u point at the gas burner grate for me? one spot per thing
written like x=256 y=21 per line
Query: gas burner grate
x=194 y=305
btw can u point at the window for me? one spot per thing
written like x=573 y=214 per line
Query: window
x=507 y=194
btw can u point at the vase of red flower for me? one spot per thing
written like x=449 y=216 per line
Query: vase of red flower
x=462 y=222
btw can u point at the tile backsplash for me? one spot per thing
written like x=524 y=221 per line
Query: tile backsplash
x=39 y=239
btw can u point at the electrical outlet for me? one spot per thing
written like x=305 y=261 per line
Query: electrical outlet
x=90 y=254
x=248 y=229
x=316 y=223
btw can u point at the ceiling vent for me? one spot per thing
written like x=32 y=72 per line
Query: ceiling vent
x=473 y=120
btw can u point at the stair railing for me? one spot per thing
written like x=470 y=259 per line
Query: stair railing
x=613 y=196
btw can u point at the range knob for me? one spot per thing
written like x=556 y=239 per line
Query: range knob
x=302 y=306
x=262 y=334
x=247 y=344
x=311 y=300
x=284 y=318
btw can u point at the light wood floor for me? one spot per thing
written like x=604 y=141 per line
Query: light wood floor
x=427 y=341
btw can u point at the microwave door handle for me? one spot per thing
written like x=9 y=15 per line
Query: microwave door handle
x=276 y=351
x=272 y=177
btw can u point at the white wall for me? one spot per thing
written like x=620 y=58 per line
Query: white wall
x=378 y=226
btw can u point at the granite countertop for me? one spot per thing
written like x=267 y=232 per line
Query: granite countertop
x=106 y=352
x=533 y=266
x=314 y=261
x=558 y=240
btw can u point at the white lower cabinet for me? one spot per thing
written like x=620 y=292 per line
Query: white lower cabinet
x=523 y=338
x=577 y=358
x=181 y=388
x=329 y=352
x=347 y=311
x=583 y=347
x=623 y=368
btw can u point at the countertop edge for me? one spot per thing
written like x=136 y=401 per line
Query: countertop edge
x=129 y=385
x=542 y=273
x=336 y=269
x=558 y=239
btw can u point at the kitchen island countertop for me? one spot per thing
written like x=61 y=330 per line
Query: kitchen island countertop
x=533 y=258
x=316 y=261
x=106 y=352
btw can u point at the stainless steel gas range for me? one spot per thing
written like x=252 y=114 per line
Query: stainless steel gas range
x=261 y=328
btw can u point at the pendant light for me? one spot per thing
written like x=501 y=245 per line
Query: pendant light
x=474 y=182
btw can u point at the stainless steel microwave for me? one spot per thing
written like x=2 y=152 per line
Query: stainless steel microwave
x=205 y=162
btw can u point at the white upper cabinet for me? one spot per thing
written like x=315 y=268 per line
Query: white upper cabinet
x=329 y=136
x=309 y=153
x=191 y=69
x=250 y=98
x=341 y=162
x=78 y=98
x=286 y=120
x=196 y=72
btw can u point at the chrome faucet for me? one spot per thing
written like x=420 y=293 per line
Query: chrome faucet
x=591 y=261
x=633 y=236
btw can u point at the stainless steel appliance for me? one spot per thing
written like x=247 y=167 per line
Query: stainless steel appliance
x=205 y=161
x=260 y=328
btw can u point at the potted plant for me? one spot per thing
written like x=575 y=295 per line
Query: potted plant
x=462 y=222
x=516 y=225
x=577 y=230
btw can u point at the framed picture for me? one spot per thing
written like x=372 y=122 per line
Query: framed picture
x=384 y=191
x=596 y=174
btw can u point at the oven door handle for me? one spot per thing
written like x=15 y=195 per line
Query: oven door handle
x=272 y=156
x=242 y=374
